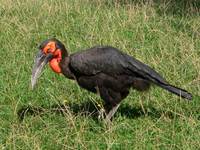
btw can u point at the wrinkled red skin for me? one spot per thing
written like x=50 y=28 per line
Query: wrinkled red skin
x=54 y=63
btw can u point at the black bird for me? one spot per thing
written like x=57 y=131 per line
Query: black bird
x=102 y=69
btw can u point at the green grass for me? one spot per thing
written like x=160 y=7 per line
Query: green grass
x=164 y=35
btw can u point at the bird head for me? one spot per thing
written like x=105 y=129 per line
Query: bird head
x=52 y=51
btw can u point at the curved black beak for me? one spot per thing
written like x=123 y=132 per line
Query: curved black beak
x=41 y=60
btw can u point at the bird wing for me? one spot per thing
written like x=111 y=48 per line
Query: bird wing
x=144 y=70
x=110 y=61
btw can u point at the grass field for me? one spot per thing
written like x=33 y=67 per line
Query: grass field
x=163 y=34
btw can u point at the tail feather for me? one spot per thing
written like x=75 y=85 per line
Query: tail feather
x=142 y=70
x=178 y=91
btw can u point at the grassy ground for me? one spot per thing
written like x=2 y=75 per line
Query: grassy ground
x=164 y=35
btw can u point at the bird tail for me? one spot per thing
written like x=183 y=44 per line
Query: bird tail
x=178 y=91
x=143 y=70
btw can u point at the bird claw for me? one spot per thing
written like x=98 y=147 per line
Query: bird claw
x=102 y=114
x=104 y=117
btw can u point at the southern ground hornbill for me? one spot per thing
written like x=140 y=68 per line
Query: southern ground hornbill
x=103 y=69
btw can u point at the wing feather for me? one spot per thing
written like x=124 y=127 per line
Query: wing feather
x=98 y=59
x=111 y=61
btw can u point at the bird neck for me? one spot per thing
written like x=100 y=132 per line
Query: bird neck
x=65 y=67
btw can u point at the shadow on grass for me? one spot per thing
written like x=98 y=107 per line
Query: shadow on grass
x=89 y=109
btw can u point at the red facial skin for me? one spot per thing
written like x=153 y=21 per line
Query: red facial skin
x=54 y=63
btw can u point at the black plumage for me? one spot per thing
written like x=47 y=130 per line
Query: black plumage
x=111 y=73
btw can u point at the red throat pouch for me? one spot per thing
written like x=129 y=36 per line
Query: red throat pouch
x=54 y=63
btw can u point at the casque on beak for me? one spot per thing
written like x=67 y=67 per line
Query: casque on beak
x=40 y=61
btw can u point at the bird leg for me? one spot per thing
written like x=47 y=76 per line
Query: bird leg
x=111 y=113
x=101 y=111
x=111 y=98
x=141 y=104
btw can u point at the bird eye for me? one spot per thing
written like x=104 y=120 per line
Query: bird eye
x=48 y=50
